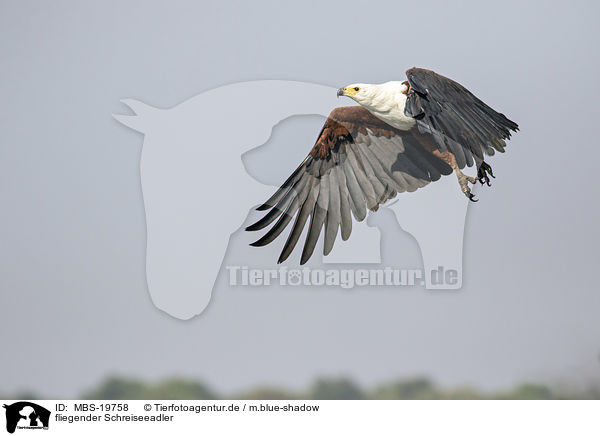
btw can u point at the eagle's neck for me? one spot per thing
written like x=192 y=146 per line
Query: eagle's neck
x=387 y=102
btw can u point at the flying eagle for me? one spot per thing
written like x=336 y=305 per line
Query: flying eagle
x=403 y=136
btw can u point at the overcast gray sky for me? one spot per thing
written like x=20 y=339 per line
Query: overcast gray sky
x=74 y=304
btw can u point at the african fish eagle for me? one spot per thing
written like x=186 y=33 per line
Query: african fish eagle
x=403 y=136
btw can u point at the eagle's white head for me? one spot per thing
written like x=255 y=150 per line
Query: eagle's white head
x=386 y=101
x=368 y=94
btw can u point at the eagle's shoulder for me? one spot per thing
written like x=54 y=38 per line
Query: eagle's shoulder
x=345 y=124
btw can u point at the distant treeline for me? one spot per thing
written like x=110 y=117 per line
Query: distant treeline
x=418 y=388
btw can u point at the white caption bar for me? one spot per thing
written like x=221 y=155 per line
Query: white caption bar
x=303 y=417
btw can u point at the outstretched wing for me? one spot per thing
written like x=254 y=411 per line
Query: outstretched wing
x=459 y=121
x=357 y=163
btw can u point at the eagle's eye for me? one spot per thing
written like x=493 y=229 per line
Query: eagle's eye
x=356 y=89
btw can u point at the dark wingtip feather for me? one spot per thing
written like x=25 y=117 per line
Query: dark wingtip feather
x=265 y=221
x=256 y=226
x=264 y=206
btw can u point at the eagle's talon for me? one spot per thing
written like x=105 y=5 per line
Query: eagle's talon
x=470 y=196
x=483 y=174
x=468 y=193
x=463 y=181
